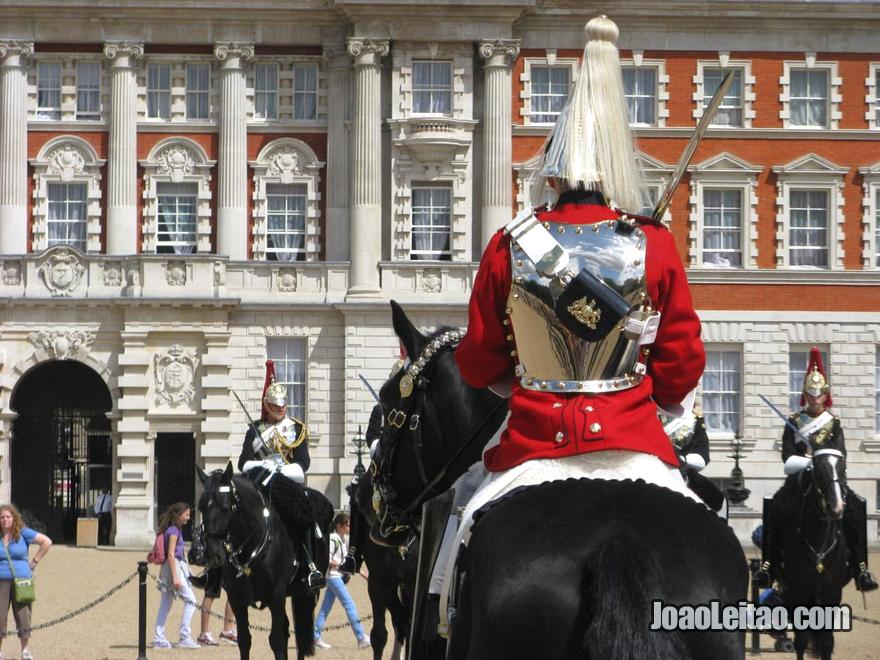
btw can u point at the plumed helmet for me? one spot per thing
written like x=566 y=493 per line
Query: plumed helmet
x=815 y=380
x=273 y=391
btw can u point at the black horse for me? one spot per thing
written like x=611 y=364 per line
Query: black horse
x=392 y=575
x=570 y=569
x=807 y=513
x=245 y=534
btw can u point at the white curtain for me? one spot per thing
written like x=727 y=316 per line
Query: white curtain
x=432 y=87
x=66 y=223
x=722 y=391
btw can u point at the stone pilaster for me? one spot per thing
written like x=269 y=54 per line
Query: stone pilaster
x=122 y=152
x=498 y=56
x=232 y=238
x=135 y=517
x=219 y=443
x=337 y=238
x=13 y=146
x=366 y=170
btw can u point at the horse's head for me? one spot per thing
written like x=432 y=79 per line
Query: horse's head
x=435 y=427
x=217 y=506
x=829 y=480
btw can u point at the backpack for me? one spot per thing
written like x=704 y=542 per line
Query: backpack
x=198 y=548
x=157 y=554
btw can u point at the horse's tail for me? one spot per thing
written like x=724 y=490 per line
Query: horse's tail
x=618 y=585
x=304 y=621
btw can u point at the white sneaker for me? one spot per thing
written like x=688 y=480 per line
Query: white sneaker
x=188 y=643
x=162 y=644
x=321 y=644
x=364 y=642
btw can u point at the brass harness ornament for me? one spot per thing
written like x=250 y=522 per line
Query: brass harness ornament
x=586 y=312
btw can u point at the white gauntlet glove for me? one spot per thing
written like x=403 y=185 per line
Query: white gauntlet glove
x=795 y=464
x=266 y=464
x=294 y=472
x=695 y=461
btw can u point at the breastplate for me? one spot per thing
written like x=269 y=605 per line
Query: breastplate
x=549 y=356
x=278 y=440
x=817 y=436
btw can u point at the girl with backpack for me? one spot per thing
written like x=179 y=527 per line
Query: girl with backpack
x=174 y=578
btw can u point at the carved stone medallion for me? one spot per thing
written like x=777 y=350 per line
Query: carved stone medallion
x=287 y=280
x=431 y=282
x=11 y=273
x=62 y=272
x=62 y=344
x=174 y=373
x=175 y=274
x=113 y=274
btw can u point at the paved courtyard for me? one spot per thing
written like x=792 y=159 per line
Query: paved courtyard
x=70 y=578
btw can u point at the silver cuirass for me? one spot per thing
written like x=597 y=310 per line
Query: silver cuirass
x=277 y=441
x=550 y=358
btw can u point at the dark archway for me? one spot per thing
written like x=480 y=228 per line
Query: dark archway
x=62 y=452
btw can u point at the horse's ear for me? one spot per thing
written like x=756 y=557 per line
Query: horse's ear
x=413 y=340
x=202 y=474
x=227 y=475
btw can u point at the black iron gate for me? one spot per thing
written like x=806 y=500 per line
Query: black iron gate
x=63 y=460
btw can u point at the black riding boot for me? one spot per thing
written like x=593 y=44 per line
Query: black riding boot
x=357 y=538
x=763 y=577
x=855 y=528
x=313 y=578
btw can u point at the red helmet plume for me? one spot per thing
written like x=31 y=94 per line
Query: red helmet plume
x=815 y=379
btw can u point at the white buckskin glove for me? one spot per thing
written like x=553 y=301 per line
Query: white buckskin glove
x=266 y=464
x=695 y=461
x=686 y=406
x=795 y=464
x=294 y=472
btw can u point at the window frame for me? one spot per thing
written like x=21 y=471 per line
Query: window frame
x=94 y=115
x=281 y=359
x=267 y=93
x=81 y=245
x=826 y=208
x=46 y=112
x=432 y=89
x=159 y=93
x=161 y=245
x=200 y=94
x=701 y=97
x=722 y=228
x=549 y=61
x=716 y=434
x=871 y=216
x=441 y=255
x=655 y=100
x=833 y=98
x=299 y=254
x=297 y=66
x=872 y=96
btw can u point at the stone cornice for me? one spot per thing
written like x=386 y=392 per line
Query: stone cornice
x=730 y=133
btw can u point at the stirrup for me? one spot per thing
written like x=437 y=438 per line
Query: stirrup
x=762 y=576
x=315 y=579
x=865 y=581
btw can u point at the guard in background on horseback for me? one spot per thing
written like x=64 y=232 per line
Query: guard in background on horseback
x=817 y=428
x=688 y=435
x=275 y=454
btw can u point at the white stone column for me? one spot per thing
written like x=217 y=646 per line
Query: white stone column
x=13 y=146
x=499 y=56
x=232 y=236
x=122 y=201
x=366 y=165
x=337 y=240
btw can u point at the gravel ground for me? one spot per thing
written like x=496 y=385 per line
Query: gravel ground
x=70 y=578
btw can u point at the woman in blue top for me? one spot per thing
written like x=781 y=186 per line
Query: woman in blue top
x=16 y=541
x=174 y=578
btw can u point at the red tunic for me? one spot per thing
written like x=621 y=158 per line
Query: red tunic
x=588 y=422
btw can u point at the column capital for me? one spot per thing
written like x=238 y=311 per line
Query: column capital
x=499 y=52
x=13 y=51
x=368 y=51
x=231 y=53
x=121 y=53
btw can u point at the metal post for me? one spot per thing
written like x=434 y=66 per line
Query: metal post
x=142 y=610
x=754 y=565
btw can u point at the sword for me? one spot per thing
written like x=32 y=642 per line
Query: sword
x=783 y=417
x=684 y=161
x=253 y=425
x=369 y=387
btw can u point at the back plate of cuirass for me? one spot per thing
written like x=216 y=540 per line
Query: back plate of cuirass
x=552 y=358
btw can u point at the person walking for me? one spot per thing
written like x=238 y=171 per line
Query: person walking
x=16 y=542
x=104 y=511
x=213 y=578
x=336 y=587
x=174 y=578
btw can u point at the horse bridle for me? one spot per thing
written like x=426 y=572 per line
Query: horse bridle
x=233 y=554
x=832 y=526
x=391 y=515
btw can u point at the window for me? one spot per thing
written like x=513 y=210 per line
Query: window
x=877 y=228
x=431 y=212
x=289 y=355
x=798 y=357
x=549 y=91
x=198 y=82
x=432 y=88
x=177 y=203
x=305 y=91
x=640 y=86
x=66 y=223
x=286 y=222
x=266 y=91
x=722 y=227
x=49 y=90
x=159 y=91
x=650 y=197
x=722 y=391
x=730 y=112
x=877 y=391
x=808 y=98
x=808 y=228
x=876 y=96
x=88 y=90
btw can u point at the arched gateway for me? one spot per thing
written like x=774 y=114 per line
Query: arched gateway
x=61 y=446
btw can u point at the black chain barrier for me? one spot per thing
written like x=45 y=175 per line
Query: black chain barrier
x=251 y=626
x=76 y=612
x=863 y=619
